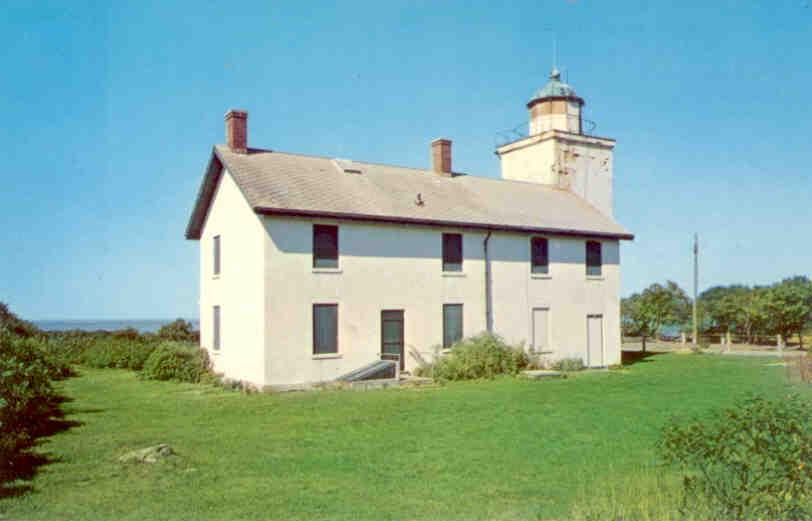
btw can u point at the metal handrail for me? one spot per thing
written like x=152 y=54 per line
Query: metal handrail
x=521 y=131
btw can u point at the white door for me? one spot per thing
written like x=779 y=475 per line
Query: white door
x=594 y=332
x=541 y=330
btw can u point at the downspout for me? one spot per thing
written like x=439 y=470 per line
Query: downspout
x=488 y=306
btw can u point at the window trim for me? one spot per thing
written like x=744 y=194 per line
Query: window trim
x=533 y=265
x=329 y=354
x=316 y=259
x=462 y=323
x=217 y=254
x=216 y=333
x=599 y=266
x=461 y=256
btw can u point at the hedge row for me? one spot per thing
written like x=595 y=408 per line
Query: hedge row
x=28 y=401
x=154 y=358
x=169 y=354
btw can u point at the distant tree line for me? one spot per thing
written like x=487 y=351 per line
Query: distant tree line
x=749 y=312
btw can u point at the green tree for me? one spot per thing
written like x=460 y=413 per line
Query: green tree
x=643 y=314
x=787 y=305
x=724 y=308
x=755 y=314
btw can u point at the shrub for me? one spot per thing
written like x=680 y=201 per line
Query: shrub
x=106 y=350
x=101 y=354
x=180 y=330
x=569 y=365
x=482 y=356
x=176 y=361
x=134 y=356
x=751 y=462
x=70 y=346
x=27 y=398
x=15 y=325
x=129 y=333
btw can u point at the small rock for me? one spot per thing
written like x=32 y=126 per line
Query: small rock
x=147 y=455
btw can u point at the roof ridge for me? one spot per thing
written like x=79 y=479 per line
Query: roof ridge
x=331 y=158
x=390 y=165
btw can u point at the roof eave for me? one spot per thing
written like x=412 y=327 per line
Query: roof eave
x=265 y=210
x=205 y=194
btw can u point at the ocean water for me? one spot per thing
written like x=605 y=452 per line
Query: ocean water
x=143 y=326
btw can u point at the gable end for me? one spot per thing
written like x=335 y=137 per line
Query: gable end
x=204 y=196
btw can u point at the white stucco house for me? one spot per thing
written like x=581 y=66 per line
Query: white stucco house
x=311 y=267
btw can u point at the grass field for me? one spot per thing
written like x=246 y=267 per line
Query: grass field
x=502 y=449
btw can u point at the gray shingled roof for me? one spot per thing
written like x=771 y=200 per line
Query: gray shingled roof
x=290 y=184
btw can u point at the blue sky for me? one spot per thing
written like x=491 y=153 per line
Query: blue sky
x=109 y=112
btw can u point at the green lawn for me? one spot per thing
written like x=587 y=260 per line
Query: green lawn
x=503 y=449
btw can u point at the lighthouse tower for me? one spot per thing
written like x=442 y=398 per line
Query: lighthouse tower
x=556 y=151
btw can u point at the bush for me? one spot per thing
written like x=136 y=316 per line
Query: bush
x=176 y=361
x=69 y=346
x=569 y=365
x=15 y=325
x=117 y=352
x=27 y=398
x=129 y=333
x=180 y=330
x=751 y=462
x=482 y=356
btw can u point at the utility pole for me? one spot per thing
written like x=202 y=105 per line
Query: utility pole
x=696 y=283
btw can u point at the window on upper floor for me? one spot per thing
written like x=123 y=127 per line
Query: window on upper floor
x=539 y=256
x=452 y=324
x=594 y=260
x=216 y=255
x=325 y=246
x=452 y=252
x=325 y=329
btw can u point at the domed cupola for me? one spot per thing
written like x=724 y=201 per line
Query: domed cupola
x=555 y=107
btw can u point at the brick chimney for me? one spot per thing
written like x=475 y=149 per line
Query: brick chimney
x=441 y=156
x=237 y=130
